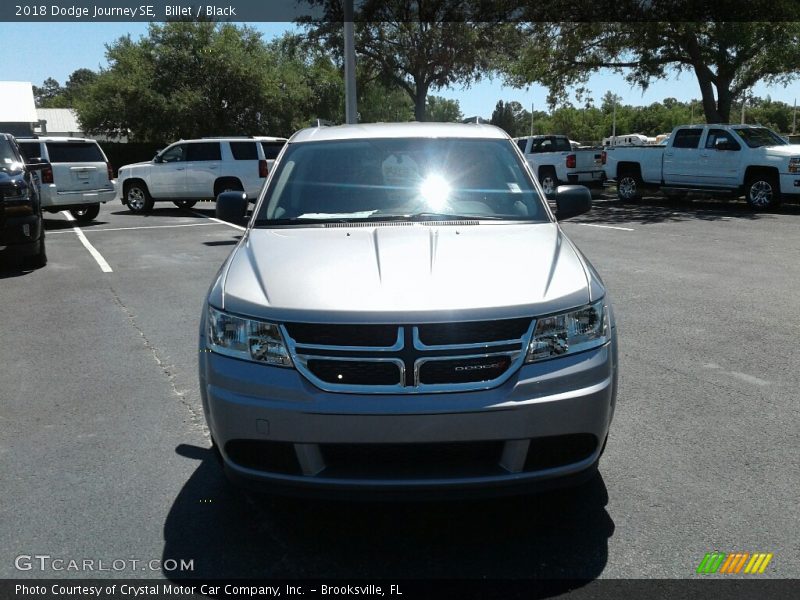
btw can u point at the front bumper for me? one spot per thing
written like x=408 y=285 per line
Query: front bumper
x=790 y=184
x=21 y=233
x=546 y=425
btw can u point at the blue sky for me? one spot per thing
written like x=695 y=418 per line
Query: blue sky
x=70 y=46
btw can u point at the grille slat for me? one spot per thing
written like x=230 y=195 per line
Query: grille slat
x=343 y=335
x=443 y=334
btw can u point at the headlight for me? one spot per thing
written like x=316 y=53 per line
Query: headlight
x=794 y=165
x=567 y=333
x=247 y=339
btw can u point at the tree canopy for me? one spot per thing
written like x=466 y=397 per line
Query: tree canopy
x=414 y=46
x=727 y=59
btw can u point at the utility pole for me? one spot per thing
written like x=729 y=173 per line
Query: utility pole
x=532 y=117
x=744 y=101
x=691 y=119
x=614 y=124
x=794 y=118
x=351 y=116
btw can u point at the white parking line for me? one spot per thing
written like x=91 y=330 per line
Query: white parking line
x=199 y=214
x=142 y=227
x=104 y=266
x=606 y=226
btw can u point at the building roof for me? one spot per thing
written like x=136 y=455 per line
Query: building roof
x=16 y=102
x=59 y=120
x=399 y=130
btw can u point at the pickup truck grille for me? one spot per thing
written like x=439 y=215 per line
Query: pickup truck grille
x=409 y=359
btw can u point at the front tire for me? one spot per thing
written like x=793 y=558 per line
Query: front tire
x=184 y=203
x=762 y=191
x=138 y=198
x=38 y=260
x=549 y=181
x=629 y=186
x=86 y=213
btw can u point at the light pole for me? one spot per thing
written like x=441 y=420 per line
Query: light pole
x=351 y=116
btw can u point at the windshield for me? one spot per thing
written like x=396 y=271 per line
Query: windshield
x=756 y=137
x=9 y=159
x=400 y=179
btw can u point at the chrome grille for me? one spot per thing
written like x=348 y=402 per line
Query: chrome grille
x=409 y=359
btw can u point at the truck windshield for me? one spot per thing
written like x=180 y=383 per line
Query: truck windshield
x=400 y=179
x=756 y=137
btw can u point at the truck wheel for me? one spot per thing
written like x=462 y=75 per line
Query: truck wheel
x=138 y=198
x=762 y=191
x=549 y=180
x=629 y=187
x=38 y=260
x=185 y=203
x=86 y=213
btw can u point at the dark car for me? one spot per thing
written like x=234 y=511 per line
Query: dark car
x=21 y=226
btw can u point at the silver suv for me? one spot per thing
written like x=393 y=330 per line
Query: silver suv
x=74 y=174
x=404 y=313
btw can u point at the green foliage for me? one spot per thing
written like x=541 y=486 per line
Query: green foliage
x=727 y=59
x=443 y=110
x=193 y=79
x=411 y=45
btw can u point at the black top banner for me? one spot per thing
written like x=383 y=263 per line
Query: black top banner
x=401 y=10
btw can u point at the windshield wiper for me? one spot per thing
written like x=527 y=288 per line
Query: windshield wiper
x=434 y=216
x=304 y=221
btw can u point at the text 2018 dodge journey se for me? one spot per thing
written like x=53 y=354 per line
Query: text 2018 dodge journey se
x=404 y=314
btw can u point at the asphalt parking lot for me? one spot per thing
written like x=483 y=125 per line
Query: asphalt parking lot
x=105 y=454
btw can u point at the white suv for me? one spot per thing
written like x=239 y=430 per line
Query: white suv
x=77 y=176
x=192 y=170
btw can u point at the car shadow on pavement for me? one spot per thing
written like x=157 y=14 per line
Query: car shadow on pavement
x=663 y=210
x=58 y=223
x=201 y=210
x=230 y=534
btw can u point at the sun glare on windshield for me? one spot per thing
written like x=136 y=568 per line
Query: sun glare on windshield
x=435 y=190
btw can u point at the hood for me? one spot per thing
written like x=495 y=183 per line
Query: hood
x=787 y=151
x=404 y=273
x=145 y=163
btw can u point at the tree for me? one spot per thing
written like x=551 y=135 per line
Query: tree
x=193 y=79
x=443 y=110
x=416 y=46
x=727 y=59
x=503 y=117
x=50 y=95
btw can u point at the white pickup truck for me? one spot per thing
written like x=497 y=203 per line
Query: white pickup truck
x=720 y=160
x=554 y=162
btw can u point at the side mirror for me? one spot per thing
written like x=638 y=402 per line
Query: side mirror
x=36 y=164
x=572 y=200
x=232 y=207
x=721 y=144
x=157 y=159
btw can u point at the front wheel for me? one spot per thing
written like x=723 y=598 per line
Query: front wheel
x=549 y=181
x=629 y=187
x=87 y=213
x=138 y=198
x=184 y=203
x=762 y=191
x=38 y=260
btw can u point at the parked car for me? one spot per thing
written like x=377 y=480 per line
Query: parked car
x=555 y=162
x=192 y=170
x=711 y=159
x=21 y=227
x=404 y=313
x=78 y=177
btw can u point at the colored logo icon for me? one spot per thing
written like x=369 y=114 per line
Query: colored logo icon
x=734 y=563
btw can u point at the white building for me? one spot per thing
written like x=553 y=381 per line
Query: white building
x=17 y=108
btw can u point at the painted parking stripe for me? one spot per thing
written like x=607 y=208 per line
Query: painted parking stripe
x=142 y=227
x=606 y=226
x=199 y=214
x=104 y=266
